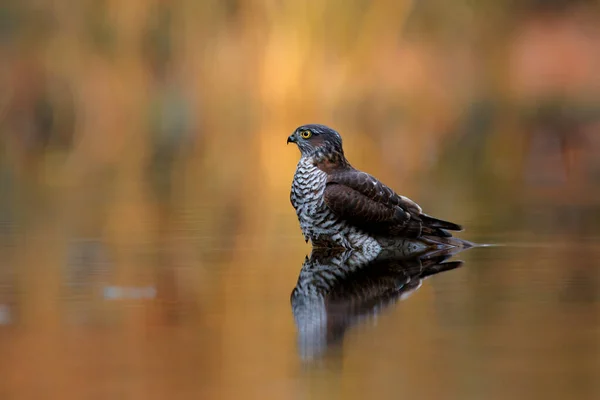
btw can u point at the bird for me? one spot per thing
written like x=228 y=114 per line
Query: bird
x=338 y=289
x=339 y=206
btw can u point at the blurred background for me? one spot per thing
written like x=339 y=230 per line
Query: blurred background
x=147 y=244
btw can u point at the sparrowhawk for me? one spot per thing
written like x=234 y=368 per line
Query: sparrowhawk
x=340 y=206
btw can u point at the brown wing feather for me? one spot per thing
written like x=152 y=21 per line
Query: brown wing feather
x=348 y=203
x=364 y=201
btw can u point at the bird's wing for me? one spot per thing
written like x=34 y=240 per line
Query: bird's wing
x=364 y=201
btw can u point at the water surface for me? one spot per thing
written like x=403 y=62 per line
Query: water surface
x=144 y=313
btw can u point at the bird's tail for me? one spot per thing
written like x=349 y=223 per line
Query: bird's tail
x=437 y=227
x=431 y=222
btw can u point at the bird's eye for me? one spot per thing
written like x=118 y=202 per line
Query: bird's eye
x=306 y=134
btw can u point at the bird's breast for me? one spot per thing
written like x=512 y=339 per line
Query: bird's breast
x=307 y=188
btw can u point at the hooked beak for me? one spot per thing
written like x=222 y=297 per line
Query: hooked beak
x=291 y=139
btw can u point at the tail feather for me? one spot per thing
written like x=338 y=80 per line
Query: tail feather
x=431 y=222
x=436 y=232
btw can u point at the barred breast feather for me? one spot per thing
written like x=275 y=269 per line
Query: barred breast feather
x=318 y=223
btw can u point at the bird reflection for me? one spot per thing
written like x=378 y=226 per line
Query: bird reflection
x=337 y=290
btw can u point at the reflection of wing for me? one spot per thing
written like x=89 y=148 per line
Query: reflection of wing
x=364 y=201
x=336 y=290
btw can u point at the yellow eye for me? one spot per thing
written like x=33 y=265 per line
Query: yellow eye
x=306 y=134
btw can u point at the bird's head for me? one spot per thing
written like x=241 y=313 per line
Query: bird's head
x=313 y=139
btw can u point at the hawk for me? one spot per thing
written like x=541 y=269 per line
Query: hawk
x=340 y=206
